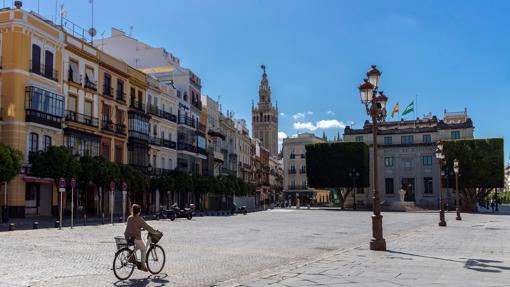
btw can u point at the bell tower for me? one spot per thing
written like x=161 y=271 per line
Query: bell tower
x=265 y=117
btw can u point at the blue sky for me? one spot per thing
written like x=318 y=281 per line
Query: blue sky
x=452 y=54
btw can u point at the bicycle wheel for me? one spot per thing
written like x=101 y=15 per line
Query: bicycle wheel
x=155 y=259
x=122 y=268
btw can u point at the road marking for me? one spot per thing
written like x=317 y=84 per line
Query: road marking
x=281 y=210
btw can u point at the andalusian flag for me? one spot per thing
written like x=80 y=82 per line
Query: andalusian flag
x=409 y=109
x=395 y=110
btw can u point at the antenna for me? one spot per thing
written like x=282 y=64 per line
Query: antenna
x=130 y=30
x=92 y=31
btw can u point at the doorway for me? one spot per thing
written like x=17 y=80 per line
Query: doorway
x=409 y=186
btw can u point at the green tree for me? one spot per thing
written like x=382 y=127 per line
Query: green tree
x=10 y=165
x=54 y=163
x=328 y=165
x=481 y=167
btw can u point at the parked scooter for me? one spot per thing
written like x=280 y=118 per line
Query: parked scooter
x=241 y=209
x=186 y=212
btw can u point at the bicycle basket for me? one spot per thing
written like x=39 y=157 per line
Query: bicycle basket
x=121 y=242
x=155 y=237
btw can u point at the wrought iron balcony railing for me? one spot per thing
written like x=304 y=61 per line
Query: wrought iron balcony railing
x=73 y=116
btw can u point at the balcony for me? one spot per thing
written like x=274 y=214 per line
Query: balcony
x=73 y=116
x=43 y=118
x=292 y=171
x=162 y=142
x=136 y=105
x=298 y=187
x=120 y=129
x=107 y=91
x=197 y=104
x=227 y=171
x=121 y=96
x=159 y=171
x=185 y=120
x=186 y=147
x=90 y=85
x=74 y=78
x=43 y=70
x=138 y=135
x=107 y=125
x=154 y=110
x=202 y=128
x=292 y=156
x=302 y=171
x=201 y=151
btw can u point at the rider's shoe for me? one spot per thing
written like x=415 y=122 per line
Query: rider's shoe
x=143 y=267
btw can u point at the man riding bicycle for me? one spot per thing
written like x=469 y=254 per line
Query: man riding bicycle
x=133 y=231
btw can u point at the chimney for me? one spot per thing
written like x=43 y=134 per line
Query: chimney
x=18 y=4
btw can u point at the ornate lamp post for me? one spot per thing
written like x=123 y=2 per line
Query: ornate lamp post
x=354 y=175
x=440 y=158
x=456 y=170
x=376 y=108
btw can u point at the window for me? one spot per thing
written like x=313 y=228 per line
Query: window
x=89 y=75
x=427 y=160
x=388 y=161
x=73 y=73
x=359 y=139
x=407 y=140
x=163 y=163
x=48 y=65
x=140 y=99
x=118 y=153
x=455 y=135
x=71 y=103
x=387 y=140
x=44 y=101
x=119 y=118
x=427 y=139
x=105 y=150
x=120 y=90
x=87 y=109
x=427 y=181
x=33 y=142
x=107 y=85
x=389 y=185
x=47 y=142
x=407 y=163
x=36 y=59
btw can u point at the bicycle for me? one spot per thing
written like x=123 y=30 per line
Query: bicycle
x=125 y=258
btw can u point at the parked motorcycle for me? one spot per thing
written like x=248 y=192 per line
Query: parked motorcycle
x=167 y=214
x=241 y=209
x=186 y=212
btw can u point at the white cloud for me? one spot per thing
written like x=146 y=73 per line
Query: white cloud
x=309 y=113
x=282 y=114
x=281 y=136
x=305 y=126
x=298 y=116
x=329 y=124
x=330 y=112
x=322 y=124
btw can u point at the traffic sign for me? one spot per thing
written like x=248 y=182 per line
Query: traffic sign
x=112 y=185
x=73 y=183
x=61 y=184
x=124 y=186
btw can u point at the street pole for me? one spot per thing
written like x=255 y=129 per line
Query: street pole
x=124 y=192
x=457 y=208
x=442 y=221
x=377 y=242
x=72 y=207
x=111 y=206
x=60 y=222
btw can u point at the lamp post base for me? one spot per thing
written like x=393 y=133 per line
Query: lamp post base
x=442 y=223
x=377 y=242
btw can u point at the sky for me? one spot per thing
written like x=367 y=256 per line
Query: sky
x=444 y=55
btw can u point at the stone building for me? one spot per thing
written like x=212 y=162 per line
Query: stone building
x=265 y=118
x=295 y=182
x=406 y=158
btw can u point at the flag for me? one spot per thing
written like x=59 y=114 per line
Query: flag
x=408 y=109
x=395 y=110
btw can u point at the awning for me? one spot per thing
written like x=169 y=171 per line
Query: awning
x=158 y=70
x=44 y=180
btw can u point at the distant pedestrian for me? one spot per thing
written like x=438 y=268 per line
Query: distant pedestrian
x=487 y=203
x=493 y=205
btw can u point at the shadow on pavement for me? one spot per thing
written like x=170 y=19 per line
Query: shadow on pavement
x=423 y=256
x=482 y=265
x=153 y=280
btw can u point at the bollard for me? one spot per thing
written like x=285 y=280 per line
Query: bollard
x=84 y=219
x=35 y=225
x=12 y=226
x=102 y=219
x=57 y=223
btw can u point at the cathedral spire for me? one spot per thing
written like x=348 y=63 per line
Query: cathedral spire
x=264 y=89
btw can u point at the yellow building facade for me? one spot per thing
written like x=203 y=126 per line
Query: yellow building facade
x=31 y=103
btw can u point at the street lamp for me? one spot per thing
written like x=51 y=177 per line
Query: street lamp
x=354 y=174
x=456 y=170
x=376 y=108
x=440 y=158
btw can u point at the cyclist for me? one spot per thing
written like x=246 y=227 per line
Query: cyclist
x=133 y=231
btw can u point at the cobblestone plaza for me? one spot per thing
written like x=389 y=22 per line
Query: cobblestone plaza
x=276 y=248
